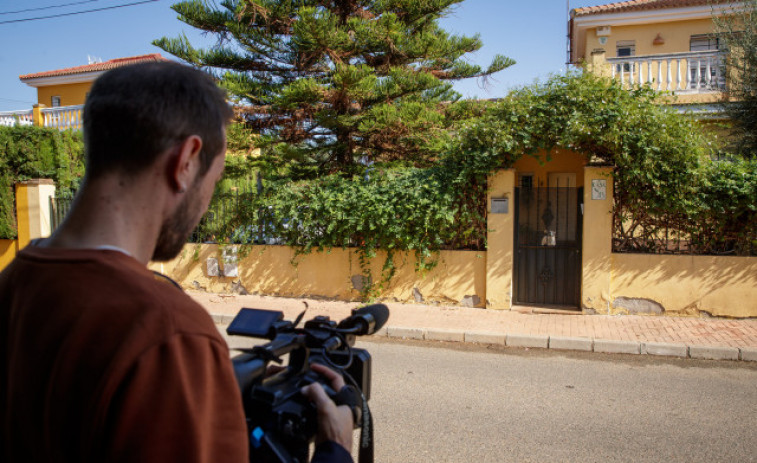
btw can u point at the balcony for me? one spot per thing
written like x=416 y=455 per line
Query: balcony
x=693 y=77
x=61 y=118
x=13 y=118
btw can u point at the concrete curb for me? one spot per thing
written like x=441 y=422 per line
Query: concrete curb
x=664 y=349
x=562 y=343
x=406 y=333
x=713 y=353
x=606 y=346
x=748 y=354
x=527 y=340
x=445 y=335
x=483 y=337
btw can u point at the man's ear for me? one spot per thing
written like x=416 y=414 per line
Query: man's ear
x=185 y=163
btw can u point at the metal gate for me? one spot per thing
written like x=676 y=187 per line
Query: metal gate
x=58 y=209
x=547 y=266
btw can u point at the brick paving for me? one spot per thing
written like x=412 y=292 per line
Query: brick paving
x=690 y=331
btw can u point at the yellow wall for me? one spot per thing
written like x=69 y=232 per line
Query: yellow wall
x=562 y=161
x=500 y=241
x=7 y=252
x=676 y=35
x=596 y=253
x=70 y=94
x=720 y=286
x=269 y=270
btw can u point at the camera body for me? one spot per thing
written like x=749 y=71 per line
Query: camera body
x=282 y=422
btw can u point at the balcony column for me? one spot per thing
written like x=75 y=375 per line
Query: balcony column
x=598 y=64
x=659 y=75
x=669 y=86
x=38 y=118
x=679 y=85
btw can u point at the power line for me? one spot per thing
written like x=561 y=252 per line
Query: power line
x=10 y=100
x=47 y=7
x=77 y=12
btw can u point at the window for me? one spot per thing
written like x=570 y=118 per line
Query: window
x=698 y=65
x=55 y=103
x=623 y=49
x=526 y=180
x=703 y=43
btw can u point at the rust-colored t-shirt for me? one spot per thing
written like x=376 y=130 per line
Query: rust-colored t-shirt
x=101 y=361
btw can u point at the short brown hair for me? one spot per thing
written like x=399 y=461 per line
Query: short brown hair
x=134 y=113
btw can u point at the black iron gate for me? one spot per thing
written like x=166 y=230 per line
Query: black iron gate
x=547 y=266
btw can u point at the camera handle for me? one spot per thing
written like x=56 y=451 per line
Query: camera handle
x=365 y=452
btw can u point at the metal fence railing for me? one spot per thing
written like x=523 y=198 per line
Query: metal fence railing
x=58 y=209
x=228 y=219
x=649 y=234
x=232 y=218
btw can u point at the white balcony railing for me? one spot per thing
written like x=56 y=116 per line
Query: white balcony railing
x=63 y=117
x=13 y=118
x=691 y=72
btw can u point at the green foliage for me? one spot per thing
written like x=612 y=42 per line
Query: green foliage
x=726 y=221
x=331 y=86
x=738 y=32
x=240 y=140
x=34 y=152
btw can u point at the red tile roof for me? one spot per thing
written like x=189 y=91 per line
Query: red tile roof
x=96 y=67
x=638 y=5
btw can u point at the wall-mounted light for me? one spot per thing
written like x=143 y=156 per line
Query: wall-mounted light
x=658 y=40
x=603 y=31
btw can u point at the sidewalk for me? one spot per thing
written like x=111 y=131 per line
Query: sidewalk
x=703 y=338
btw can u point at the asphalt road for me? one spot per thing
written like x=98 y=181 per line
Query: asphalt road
x=436 y=402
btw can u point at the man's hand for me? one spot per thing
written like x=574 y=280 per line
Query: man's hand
x=334 y=422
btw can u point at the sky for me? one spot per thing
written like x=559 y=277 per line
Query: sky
x=532 y=32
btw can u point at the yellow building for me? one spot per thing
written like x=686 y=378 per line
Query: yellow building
x=69 y=86
x=668 y=44
x=61 y=94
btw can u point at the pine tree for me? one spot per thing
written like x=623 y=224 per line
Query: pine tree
x=332 y=85
x=739 y=32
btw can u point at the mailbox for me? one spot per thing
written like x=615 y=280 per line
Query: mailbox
x=500 y=206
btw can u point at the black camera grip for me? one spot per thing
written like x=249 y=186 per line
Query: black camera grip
x=350 y=396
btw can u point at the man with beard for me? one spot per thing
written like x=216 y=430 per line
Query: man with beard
x=100 y=359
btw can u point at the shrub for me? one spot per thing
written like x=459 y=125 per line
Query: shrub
x=35 y=152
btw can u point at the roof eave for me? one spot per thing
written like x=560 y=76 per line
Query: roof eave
x=653 y=16
x=62 y=79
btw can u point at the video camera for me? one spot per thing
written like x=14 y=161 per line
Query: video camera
x=281 y=421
